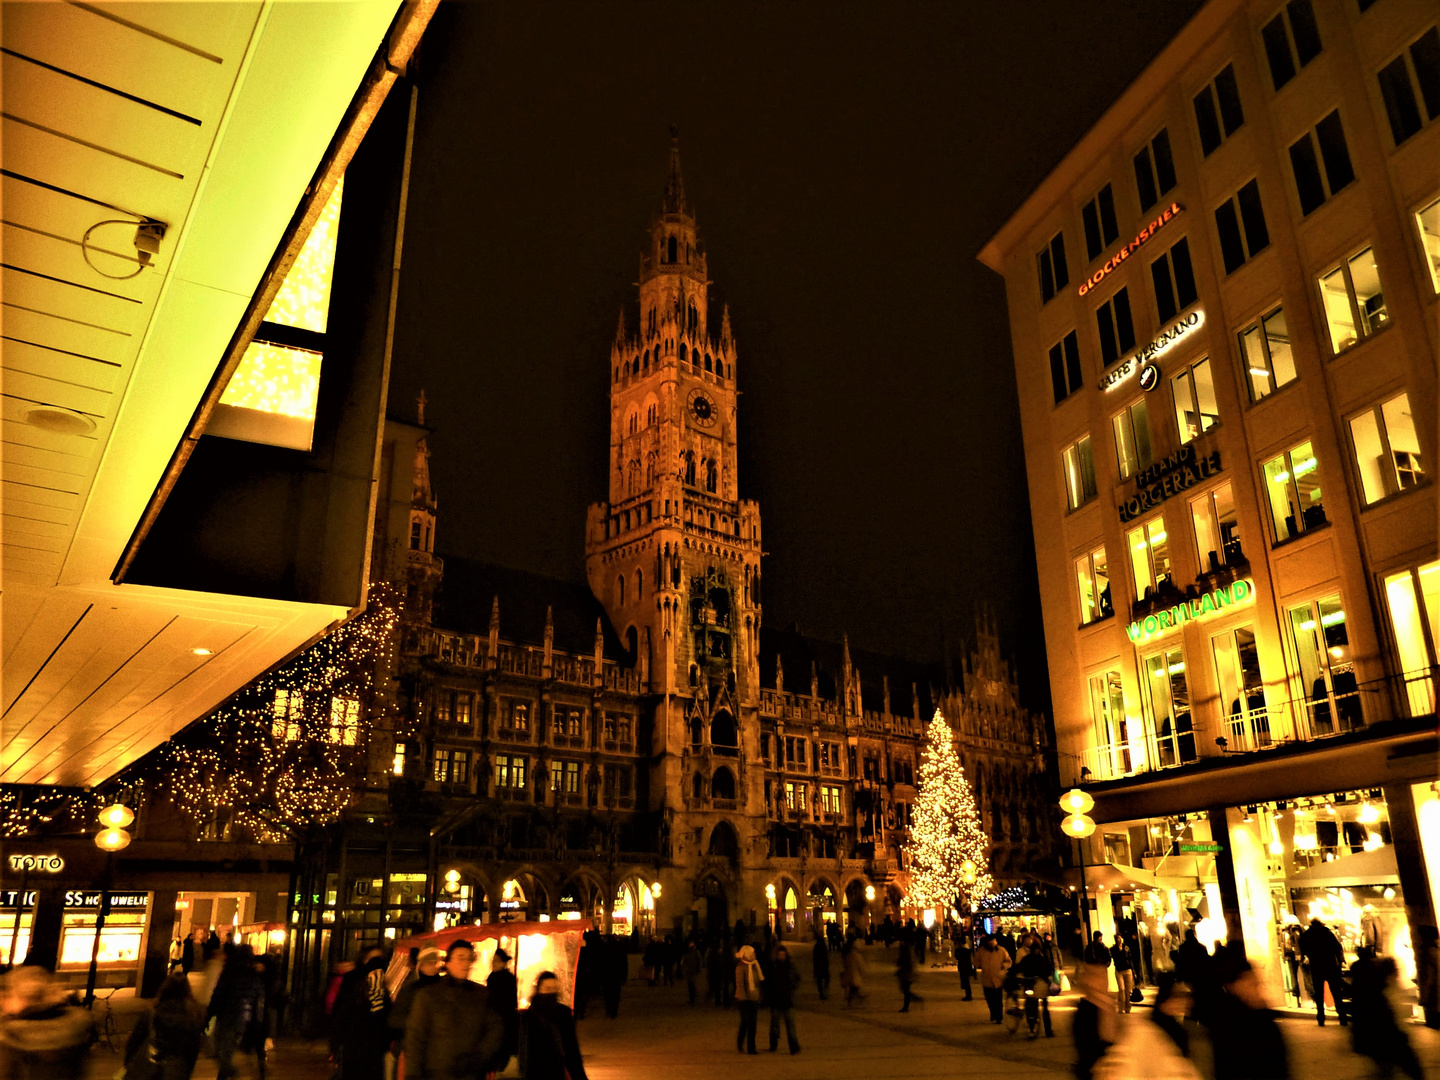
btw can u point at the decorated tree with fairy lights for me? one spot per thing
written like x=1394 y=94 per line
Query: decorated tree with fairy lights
x=289 y=750
x=947 y=848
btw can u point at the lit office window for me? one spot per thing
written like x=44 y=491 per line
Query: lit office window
x=1387 y=449
x=1150 y=556
x=1427 y=222
x=1079 y=464
x=397 y=762
x=1098 y=217
x=344 y=721
x=1240 y=222
x=1326 y=668
x=1154 y=170
x=1354 y=301
x=1065 y=374
x=1265 y=352
x=1112 y=735
x=1117 y=331
x=1242 y=688
x=1217 y=529
x=1291 y=41
x=1092 y=574
x=1132 y=439
x=1410 y=86
x=1054 y=274
x=1292 y=488
x=1218 y=114
x=441 y=766
x=272 y=395
x=1168 y=697
x=1413 y=597
x=1196 y=410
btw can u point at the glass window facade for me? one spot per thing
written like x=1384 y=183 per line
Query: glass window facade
x=1092 y=574
x=1133 y=450
x=1150 y=556
x=1292 y=489
x=1353 y=300
x=1413 y=599
x=1079 y=463
x=1167 y=695
x=1265 y=352
x=1196 y=410
x=1387 y=449
x=1217 y=529
x=1242 y=691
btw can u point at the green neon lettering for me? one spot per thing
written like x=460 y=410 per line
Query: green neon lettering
x=1152 y=625
x=1207 y=603
x=1241 y=590
x=1134 y=631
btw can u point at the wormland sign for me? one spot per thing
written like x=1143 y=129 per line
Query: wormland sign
x=1211 y=603
x=1178 y=329
x=1171 y=476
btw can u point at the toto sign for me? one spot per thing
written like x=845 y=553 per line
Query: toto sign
x=37 y=864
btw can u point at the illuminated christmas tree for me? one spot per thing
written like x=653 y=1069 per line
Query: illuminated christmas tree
x=947 y=848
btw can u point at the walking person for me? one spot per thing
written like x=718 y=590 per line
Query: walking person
x=820 y=964
x=41 y=1033
x=964 y=958
x=452 y=1033
x=504 y=1000
x=1244 y=1037
x=1322 y=952
x=1094 y=1028
x=1375 y=1012
x=360 y=1029
x=715 y=974
x=549 y=1048
x=852 y=971
x=1124 y=961
x=993 y=962
x=236 y=1005
x=780 y=996
x=427 y=973
x=614 y=972
x=1035 y=971
x=1097 y=952
x=748 y=988
x=690 y=965
x=905 y=972
x=165 y=1043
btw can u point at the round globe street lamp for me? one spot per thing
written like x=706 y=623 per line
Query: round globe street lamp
x=117 y=817
x=1077 y=825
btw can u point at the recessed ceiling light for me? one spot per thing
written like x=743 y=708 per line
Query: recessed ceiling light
x=201 y=652
x=60 y=421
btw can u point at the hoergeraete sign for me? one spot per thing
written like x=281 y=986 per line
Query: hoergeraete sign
x=1141 y=360
x=1176 y=473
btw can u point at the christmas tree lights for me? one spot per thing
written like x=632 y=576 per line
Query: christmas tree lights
x=948 y=857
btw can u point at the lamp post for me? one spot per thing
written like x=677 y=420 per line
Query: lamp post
x=1078 y=825
x=116 y=818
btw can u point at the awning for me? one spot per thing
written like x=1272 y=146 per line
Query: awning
x=1364 y=868
x=1111 y=876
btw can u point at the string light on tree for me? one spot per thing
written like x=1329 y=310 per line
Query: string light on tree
x=948 y=847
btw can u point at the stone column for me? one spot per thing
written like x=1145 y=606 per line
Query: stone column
x=155 y=956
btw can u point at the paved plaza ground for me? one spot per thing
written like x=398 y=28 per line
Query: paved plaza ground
x=659 y=1037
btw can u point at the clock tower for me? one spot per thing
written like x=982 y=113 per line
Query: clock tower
x=674 y=554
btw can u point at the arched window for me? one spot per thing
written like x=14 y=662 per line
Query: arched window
x=694 y=318
x=632 y=423
x=632 y=486
x=697 y=726
x=712 y=479
x=722 y=784
x=707 y=362
x=724 y=842
x=650 y=416
x=682 y=352
x=620 y=590
x=650 y=470
x=697 y=786
x=670 y=250
x=690 y=468
x=645 y=361
x=635 y=368
x=723 y=731
x=617 y=373
x=639 y=586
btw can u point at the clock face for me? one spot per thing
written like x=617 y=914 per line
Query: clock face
x=703 y=411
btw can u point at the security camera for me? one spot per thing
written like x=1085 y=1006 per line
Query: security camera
x=147 y=240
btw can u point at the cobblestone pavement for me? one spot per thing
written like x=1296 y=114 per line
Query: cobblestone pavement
x=659 y=1036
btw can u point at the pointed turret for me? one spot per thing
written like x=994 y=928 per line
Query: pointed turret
x=620 y=330
x=674 y=182
x=549 y=661
x=495 y=631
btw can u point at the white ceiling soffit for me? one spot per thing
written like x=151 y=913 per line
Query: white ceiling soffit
x=210 y=118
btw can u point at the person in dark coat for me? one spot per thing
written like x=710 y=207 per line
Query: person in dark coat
x=360 y=1029
x=1321 y=950
x=505 y=1000
x=1244 y=1036
x=1097 y=952
x=779 y=986
x=187 y=954
x=549 y=1048
x=427 y=973
x=452 y=1033
x=820 y=963
x=905 y=972
x=964 y=959
x=613 y=974
x=715 y=963
x=165 y=1044
x=690 y=966
x=586 y=971
x=1375 y=1030
x=1193 y=962
x=237 y=1004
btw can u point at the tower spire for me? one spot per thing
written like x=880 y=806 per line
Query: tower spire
x=674 y=183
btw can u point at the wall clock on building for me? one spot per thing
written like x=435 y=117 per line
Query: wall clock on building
x=702 y=409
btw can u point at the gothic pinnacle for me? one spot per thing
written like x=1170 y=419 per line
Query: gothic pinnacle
x=674 y=184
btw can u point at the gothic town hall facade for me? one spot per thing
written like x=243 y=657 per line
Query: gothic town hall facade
x=647 y=753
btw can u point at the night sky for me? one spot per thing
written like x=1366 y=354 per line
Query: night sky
x=845 y=164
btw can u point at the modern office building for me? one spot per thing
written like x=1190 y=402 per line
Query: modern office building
x=1223 y=312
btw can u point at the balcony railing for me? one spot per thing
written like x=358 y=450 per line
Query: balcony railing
x=1255 y=725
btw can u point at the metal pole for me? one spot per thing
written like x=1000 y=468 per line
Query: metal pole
x=19 y=905
x=1084 y=892
x=99 y=925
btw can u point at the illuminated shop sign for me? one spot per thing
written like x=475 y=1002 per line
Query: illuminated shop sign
x=1211 y=603
x=37 y=864
x=449 y=905
x=86 y=898
x=1169 y=215
x=1174 y=474
x=9 y=896
x=1141 y=360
